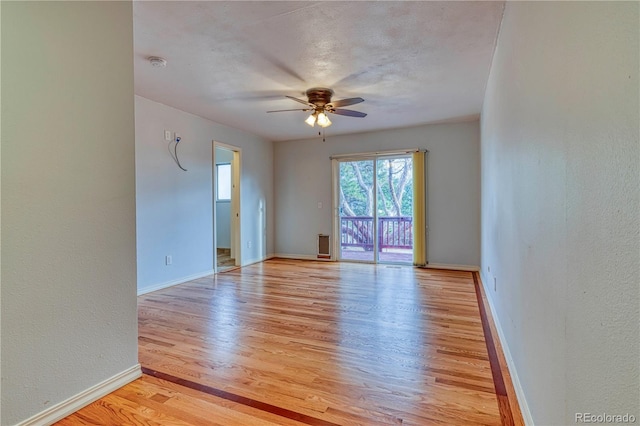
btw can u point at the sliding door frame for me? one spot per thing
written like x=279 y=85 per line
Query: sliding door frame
x=335 y=189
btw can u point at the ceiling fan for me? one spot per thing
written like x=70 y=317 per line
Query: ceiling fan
x=319 y=102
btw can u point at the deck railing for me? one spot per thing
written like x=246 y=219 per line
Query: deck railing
x=393 y=232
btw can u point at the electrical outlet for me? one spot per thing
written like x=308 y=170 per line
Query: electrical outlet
x=319 y=204
x=488 y=268
x=167 y=135
x=168 y=260
x=495 y=284
x=248 y=244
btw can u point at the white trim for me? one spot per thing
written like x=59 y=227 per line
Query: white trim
x=471 y=268
x=343 y=157
x=522 y=400
x=236 y=207
x=65 y=408
x=236 y=201
x=254 y=261
x=301 y=257
x=160 y=286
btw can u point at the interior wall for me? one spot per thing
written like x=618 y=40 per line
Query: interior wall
x=68 y=201
x=560 y=203
x=303 y=177
x=175 y=208
x=0 y=216
x=223 y=208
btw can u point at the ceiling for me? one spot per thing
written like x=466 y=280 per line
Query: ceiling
x=231 y=61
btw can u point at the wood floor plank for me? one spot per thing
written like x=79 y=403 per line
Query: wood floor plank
x=339 y=343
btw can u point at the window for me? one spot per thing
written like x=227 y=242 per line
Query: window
x=223 y=182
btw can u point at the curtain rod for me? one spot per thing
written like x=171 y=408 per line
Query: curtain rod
x=377 y=153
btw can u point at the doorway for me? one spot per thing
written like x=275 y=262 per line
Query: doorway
x=226 y=207
x=375 y=209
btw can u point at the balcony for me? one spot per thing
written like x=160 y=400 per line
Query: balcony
x=395 y=238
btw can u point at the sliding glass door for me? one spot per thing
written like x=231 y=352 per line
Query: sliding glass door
x=356 y=210
x=395 y=209
x=375 y=209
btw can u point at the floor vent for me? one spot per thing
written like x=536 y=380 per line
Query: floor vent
x=324 y=248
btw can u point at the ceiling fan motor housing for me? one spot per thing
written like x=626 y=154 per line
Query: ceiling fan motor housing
x=319 y=96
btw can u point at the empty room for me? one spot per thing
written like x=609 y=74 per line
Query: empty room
x=319 y=213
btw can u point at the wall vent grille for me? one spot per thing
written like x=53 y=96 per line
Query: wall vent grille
x=324 y=246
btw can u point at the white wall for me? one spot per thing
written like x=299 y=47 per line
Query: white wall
x=223 y=224
x=303 y=178
x=68 y=201
x=175 y=208
x=0 y=224
x=223 y=208
x=560 y=204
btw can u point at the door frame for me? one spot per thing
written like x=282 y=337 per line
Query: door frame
x=236 y=231
x=335 y=192
x=336 y=205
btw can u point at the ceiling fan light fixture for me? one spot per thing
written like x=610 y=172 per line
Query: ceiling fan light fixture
x=311 y=120
x=323 y=120
x=319 y=102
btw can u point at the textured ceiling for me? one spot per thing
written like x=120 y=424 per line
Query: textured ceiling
x=231 y=61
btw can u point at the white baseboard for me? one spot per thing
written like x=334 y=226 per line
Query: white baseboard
x=301 y=257
x=522 y=400
x=254 y=261
x=160 y=286
x=65 y=408
x=471 y=268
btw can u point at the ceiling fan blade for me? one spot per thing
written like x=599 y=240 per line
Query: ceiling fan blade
x=283 y=110
x=346 y=102
x=348 y=112
x=298 y=100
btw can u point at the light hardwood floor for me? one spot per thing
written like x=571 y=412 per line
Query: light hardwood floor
x=288 y=342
